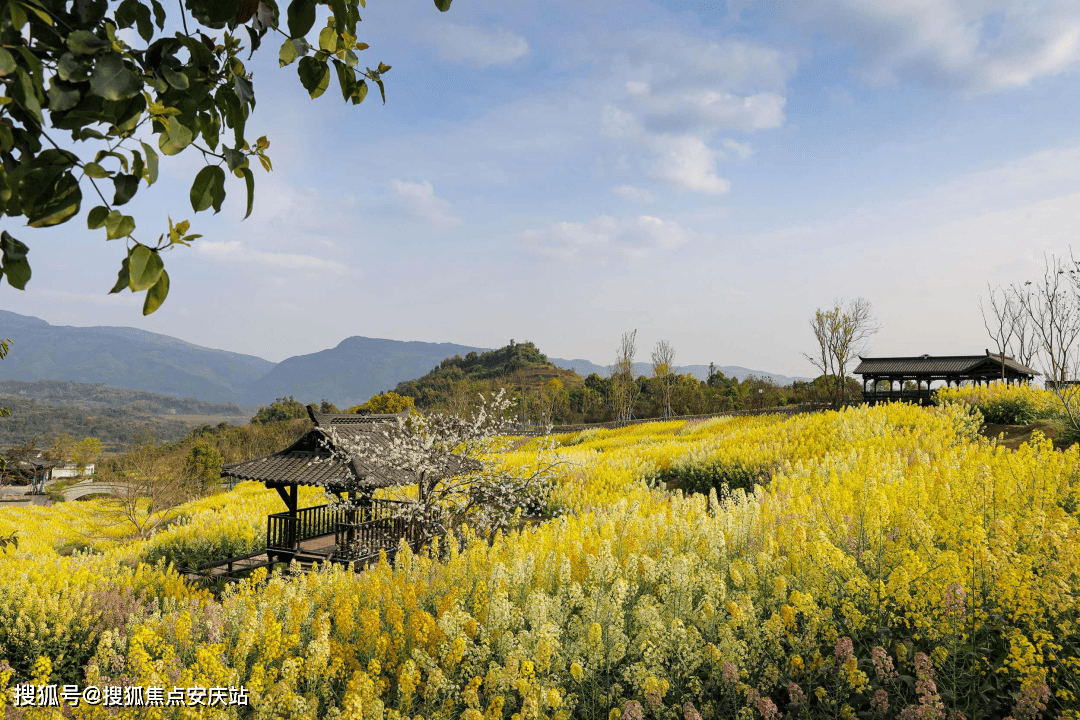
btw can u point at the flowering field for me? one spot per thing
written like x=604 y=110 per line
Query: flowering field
x=889 y=564
x=1005 y=404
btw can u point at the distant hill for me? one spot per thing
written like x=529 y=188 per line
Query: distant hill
x=352 y=372
x=701 y=372
x=137 y=360
x=123 y=357
x=515 y=364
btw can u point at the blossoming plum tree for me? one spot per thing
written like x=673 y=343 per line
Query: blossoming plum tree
x=448 y=454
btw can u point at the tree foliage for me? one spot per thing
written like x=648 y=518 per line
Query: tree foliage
x=387 y=402
x=281 y=409
x=81 y=109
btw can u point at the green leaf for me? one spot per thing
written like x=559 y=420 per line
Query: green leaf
x=92 y=169
x=156 y=294
x=443 y=5
x=118 y=225
x=208 y=189
x=144 y=268
x=96 y=217
x=314 y=76
x=234 y=158
x=301 y=17
x=359 y=92
x=14 y=263
x=84 y=42
x=159 y=14
x=112 y=80
x=125 y=186
x=249 y=180
x=143 y=22
x=63 y=201
x=176 y=138
x=178 y=80
x=242 y=87
x=346 y=79
x=151 y=164
x=25 y=93
x=123 y=278
x=328 y=39
x=7 y=62
x=288 y=53
x=72 y=69
x=62 y=97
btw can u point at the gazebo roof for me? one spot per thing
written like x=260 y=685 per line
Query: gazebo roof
x=988 y=365
x=309 y=460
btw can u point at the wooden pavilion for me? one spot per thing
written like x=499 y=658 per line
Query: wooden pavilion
x=324 y=532
x=926 y=369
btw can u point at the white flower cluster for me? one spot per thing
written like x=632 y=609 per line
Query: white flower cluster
x=448 y=455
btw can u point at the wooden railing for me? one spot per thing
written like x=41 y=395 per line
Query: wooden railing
x=376 y=529
x=285 y=532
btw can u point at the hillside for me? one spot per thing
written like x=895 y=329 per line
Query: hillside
x=97 y=396
x=117 y=428
x=126 y=358
x=352 y=372
x=515 y=365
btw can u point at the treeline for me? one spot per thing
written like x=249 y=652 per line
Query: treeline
x=542 y=393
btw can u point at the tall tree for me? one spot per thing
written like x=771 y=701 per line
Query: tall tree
x=1053 y=308
x=1000 y=323
x=665 y=372
x=624 y=388
x=842 y=333
x=67 y=69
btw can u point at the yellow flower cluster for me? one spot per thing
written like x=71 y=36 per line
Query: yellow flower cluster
x=882 y=541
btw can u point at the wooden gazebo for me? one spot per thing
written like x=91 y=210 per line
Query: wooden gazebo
x=926 y=369
x=323 y=532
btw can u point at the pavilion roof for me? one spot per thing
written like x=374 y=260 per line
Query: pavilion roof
x=311 y=460
x=987 y=365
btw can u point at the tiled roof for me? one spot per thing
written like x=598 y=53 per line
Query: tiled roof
x=940 y=365
x=309 y=460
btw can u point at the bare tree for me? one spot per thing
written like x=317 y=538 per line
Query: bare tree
x=1052 y=306
x=842 y=333
x=624 y=388
x=663 y=366
x=1025 y=345
x=1000 y=324
x=146 y=487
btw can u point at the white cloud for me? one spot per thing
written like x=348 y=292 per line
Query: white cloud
x=236 y=251
x=477 y=46
x=679 y=92
x=419 y=200
x=688 y=164
x=634 y=193
x=966 y=45
x=605 y=235
x=741 y=150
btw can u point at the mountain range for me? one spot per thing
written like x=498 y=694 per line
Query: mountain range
x=349 y=373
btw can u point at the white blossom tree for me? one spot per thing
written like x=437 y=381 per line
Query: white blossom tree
x=449 y=457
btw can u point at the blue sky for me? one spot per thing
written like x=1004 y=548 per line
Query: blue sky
x=705 y=172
